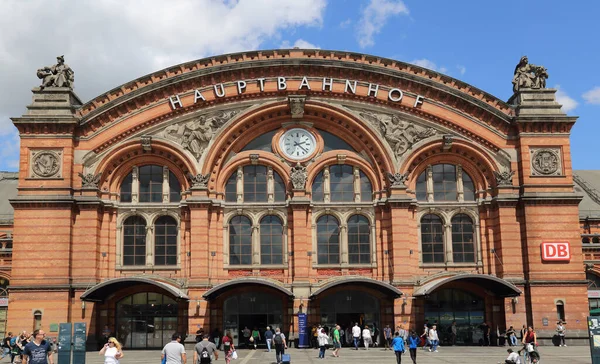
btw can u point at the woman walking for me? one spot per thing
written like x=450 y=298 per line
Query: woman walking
x=413 y=343
x=112 y=351
x=322 y=340
x=366 y=335
x=398 y=346
x=229 y=352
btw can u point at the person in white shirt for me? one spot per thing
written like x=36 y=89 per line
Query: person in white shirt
x=112 y=351
x=174 y=351
x=433 y=338
x=513 y=358
x=356 y=335
x=366 y=335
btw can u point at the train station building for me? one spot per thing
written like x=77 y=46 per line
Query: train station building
x=244 y=189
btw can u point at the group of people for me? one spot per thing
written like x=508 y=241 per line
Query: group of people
x=28 y=348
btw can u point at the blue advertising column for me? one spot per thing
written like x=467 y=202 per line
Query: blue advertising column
x=303 y=335
x=64 y=343
x=79 y=343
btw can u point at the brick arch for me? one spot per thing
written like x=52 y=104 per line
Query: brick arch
x=474 y=161
x=269 y=117
x=353 y=159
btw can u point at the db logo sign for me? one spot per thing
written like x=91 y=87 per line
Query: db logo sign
x=556 y=251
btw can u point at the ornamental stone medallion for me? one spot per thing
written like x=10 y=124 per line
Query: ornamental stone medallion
x=45 y=163
x=546 y=162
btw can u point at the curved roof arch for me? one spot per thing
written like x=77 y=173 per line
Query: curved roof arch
x=385 y=287
x=221 y=288
x=104 y=289
x=497 y=285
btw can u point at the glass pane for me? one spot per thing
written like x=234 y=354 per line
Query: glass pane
x=231 y=188
x=317 y=188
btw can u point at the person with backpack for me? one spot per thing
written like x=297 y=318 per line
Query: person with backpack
x=204 y=350
x=398 y=346
x=413 y=343
x=280 y=345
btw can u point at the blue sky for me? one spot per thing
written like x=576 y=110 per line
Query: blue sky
x=108 y=43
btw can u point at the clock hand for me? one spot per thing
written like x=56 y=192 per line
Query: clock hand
x=298 y=145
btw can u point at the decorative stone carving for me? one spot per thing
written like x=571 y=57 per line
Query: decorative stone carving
x=447 y=142
x=400 y=134
x=200 y=181
x=90 y=180
x=397 y=179
x=254 y=159
x=146 y=143
x=196 y=134
x=546 y=162
x=45 y=163
x=504 y=178
x=528 y=75
x=59 y=75
x=297 y=106
x=298 y=176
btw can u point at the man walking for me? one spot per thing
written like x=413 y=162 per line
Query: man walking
x=453 y=333
x=38 y=351
x=387 y=336
x=204 y=350
x=269 y=338
x=280 y=345
x=6 y=345
x=337 y=345
x=356 y=335
x=174 y=351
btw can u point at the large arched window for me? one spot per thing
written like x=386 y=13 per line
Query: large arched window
x=145 y=184
x=328 y=240
x=151 y=183
x=258 y=185
x=432 y=239
x=359 y=233
x=342 y=183
x=255 y=184
x=444 y=182
x=271 y=240
x=240 y=241
x=317 y=188
x=463 y=247
x=134 y=241
x=440 y=182
x=165 y=241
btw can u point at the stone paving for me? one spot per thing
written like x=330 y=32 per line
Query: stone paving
x=468 y=355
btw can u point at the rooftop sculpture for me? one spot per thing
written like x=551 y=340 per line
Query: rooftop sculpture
x=528 y=75
x=59 y=75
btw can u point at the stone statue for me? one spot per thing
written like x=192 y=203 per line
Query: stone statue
x=504 y=178
x=59 y=75
x=89 y=180
x=298 y=176
x=397 y=179
x=528 y=75
x=199 y=180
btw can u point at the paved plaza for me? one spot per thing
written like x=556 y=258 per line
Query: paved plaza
x=489 y=355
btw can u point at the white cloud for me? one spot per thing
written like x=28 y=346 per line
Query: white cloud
x=461 y=69
x=110 y=42
x=592 y=96
x=425 y=63
x=374 y=17
x=300 y=43
x=562 y=98
x=346 y=23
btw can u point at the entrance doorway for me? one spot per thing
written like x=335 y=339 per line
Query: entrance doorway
x=467 y=309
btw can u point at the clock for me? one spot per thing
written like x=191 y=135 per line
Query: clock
x=298 y=143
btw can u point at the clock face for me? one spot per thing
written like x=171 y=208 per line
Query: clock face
x=297 y=143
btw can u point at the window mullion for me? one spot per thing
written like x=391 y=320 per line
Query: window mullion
x=459 y=184
x=240 y=184
x=326 y=185
x=429 y=183
x=270 y=185
x=356 y=184
x=135 y=185
x=165 y=184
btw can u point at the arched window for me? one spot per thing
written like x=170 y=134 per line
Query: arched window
x=126 y=188
x=231 y=188
x=37 y=320
x=240 y=241
x=341 y=183
x=279 y=188
x=585 y=240
x=444 y=182
x=560 y=310
x=366 y=190
x=165 y=241
x=595 y=240
x=134 y=241
x=432 y=239
x=421 y=189
x=359 y=233
x=317 y=188
x=468 y=187
x=174 y=188
x=151 y=182
x=271 y=240
x=255 y=184
x=463 y=247
x=328 y=240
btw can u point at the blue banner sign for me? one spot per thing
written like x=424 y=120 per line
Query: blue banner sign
x=303 y=334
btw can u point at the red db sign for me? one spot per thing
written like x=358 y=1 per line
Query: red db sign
x=556 y=251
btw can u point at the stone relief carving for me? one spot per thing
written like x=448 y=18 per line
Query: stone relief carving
x=400 y=134
x=504 y=178
x=90 y=180
x=546 y=162
x=199 y=180
x=59 y=75
x=298 y=176
x=146 y=141
x=296 y=106
x=196 y=134
x=45 y=163
x=528 y=75
x=397 y=179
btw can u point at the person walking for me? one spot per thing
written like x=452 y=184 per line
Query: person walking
x=425 y=335
x=413 y=343
x=433 y=339
x=398 y=346
x=356 y=335
x=561 y=330
x=322 y=340
x=485 y=327
x=227 y=342
x=403 y=333
x=387 y=337
x=112 y=351
x=229 y=352
x=204 y=350
x=174 y=352
x=337 y=345
x=255 y=337
x=280 y=344
x=38 y=351
x=246 y=333
x=453 y=333
x=366 y=335
x=6 y=345
x=268 y=338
